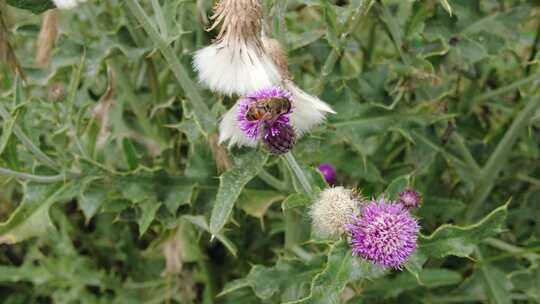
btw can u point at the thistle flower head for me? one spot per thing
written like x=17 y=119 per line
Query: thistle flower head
x=329 y=173
x=410 y=198
x=253 y=128
x=385 y=233
x=240 y=20
x=236 y=62
x=242 y=60
x=333 y=211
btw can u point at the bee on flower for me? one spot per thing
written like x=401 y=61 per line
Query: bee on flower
x=263 y=115
x=242 y=60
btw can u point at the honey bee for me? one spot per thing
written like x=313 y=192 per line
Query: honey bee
x=268 y=109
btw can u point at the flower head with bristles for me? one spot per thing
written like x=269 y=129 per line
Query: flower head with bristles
x=410 y=198
x=236 y=62
x=253 y=128
x=243 y=60
x=385 y=233
x=240 y=20
x=333 y=211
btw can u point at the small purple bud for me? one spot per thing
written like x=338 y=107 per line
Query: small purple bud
x=410 y=198
x=279 y=138
x=329 y=173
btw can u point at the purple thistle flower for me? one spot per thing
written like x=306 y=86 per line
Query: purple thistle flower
x=384 y=234
x=410 y=198
x=329 y=173
x=254 y=129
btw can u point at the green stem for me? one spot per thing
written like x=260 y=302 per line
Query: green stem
x=160 y=19
x=506 y=89
x=32 y=177
x=294 y=222
x=293 y=233
x=531 y=180
x=291 y=161
x=467 y=156
x=27 y=142
x=496 y=243
x=273 y=181
x=204 y=117
x=499 y=157
x=209 y=288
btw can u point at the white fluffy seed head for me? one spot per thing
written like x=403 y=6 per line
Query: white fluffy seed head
x=236 y=62
x=235 y=68
x=67 y=4
x=332 y=211
x=242 y=61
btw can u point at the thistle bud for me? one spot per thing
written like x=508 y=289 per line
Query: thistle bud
x=410 y=199
x=279 y=138
x=329 y=173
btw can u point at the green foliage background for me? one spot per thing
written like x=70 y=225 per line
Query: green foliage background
x=110 y=192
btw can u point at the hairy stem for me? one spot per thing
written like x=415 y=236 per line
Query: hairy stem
x=294 y=224
x=273 y=181
x=293 y=164
x=32 y=177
